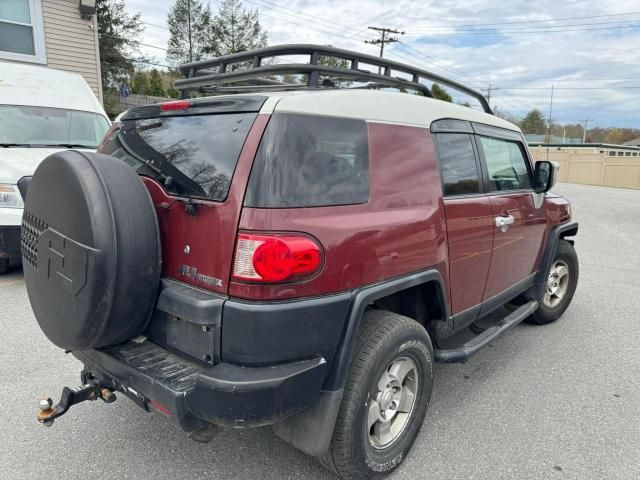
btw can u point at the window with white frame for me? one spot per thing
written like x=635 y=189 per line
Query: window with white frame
x=21 y=31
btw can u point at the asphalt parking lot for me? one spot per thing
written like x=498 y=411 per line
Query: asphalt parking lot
x=559 y=401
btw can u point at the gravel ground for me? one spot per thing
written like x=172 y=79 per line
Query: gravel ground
x=560 y=401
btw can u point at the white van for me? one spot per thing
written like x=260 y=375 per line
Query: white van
x=42 y=111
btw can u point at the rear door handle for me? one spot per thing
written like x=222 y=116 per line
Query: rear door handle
x=503 y=222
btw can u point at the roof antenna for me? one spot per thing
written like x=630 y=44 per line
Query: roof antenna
x=549 y=123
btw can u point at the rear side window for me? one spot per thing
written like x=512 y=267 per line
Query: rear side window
x=310 y=161
x=191 y=155
x=458 y=164
x=506 y=164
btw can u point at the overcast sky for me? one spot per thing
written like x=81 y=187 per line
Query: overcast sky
x=592 y=57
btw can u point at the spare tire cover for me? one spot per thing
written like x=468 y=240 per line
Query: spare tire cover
x=90 y=250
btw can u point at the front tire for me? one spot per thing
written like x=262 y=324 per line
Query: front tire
x=385 y=398
x=4 y=265
x=560 y=287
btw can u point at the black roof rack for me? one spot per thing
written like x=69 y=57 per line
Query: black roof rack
x=249 y=72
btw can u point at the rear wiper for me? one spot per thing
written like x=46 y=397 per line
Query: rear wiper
x=9 y=145
x=72 y=145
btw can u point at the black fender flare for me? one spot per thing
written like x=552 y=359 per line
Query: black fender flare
x=311 y=430
x=569 y=229
x=337 y=375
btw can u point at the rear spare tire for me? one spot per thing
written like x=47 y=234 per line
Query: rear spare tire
x=90 y=250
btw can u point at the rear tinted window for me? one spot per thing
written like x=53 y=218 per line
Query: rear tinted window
x=310 y=161
x=192 y=155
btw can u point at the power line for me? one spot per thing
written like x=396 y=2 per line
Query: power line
x=515 y=29
x=156 y=25
x=133 y=41
x=306 y=25
x=300 y=17
x=507 y=32
x=464 y=74
x=514 y=107
x=297 y=13
x=145 y=62
x=633 y=87
x=592 y=80
x=441 y=64
x=537 y=21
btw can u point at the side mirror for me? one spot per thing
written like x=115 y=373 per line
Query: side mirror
x=544 y=176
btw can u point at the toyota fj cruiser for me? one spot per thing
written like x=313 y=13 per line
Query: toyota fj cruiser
x=297 y=257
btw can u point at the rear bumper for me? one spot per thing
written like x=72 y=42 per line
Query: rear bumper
x=225 y=394
x=9 y=241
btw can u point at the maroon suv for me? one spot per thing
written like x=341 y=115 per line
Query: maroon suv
x=294 y=258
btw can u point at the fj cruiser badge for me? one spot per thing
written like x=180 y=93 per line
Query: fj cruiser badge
x=192 y=273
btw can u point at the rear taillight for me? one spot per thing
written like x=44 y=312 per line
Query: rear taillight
x=113 y=130
x=275 y=258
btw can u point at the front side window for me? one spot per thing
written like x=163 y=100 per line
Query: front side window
x=21 y=33
x=458 y=164
x=42 y=126
x=310 y=161
x=506 y=164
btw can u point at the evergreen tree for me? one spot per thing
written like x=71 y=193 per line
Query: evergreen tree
x=534 y=123
x=140 y=83
x=440 y=93
x=118 y=33
x=235 y=29
x=189 y=29
x=155 y=84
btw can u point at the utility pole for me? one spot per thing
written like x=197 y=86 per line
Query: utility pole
x=584 y=129
x=489 y=89
x=383 y=40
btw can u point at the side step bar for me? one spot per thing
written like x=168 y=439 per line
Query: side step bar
x=465 y=351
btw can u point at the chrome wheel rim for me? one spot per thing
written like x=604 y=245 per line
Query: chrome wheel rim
x=392 y=402
x=557 y=284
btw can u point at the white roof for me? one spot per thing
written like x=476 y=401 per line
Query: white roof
x=378 y=106
x=38 y=86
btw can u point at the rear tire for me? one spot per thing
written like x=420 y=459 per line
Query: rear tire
x=561 y=285
x=4 y=265
x=379 y=420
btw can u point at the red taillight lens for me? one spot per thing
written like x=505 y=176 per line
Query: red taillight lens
x=177 y=105
x=275 y=258
x=113 y=130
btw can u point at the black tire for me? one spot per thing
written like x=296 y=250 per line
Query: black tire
x=383 y=338
x=4 y=265
x=546 y=313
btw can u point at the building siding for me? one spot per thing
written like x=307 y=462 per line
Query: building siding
x=72 y=42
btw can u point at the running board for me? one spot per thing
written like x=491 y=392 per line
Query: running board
x=463 y=353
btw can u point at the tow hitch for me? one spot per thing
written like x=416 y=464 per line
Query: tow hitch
x=70 y=396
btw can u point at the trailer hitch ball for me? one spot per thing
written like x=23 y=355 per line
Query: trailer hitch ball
x=45 y=409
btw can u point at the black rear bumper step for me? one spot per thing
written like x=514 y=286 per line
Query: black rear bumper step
x=196 y=395
x=464 y=352
x=160 y=364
